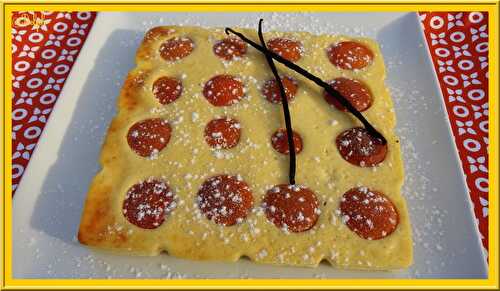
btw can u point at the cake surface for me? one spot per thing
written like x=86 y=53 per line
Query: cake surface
x=198 y=116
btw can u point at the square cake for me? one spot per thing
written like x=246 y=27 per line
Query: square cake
x=195 y=162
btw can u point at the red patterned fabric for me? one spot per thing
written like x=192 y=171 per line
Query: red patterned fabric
x=45 y=46
x=458 y=43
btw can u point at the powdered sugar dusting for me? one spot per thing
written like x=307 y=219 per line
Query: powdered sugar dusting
x=418 y=186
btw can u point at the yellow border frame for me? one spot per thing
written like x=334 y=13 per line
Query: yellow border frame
x=291 y=6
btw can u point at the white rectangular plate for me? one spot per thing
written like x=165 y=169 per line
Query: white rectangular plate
x=48 y=202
